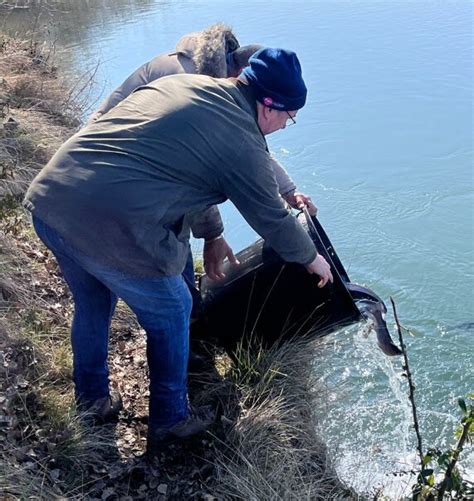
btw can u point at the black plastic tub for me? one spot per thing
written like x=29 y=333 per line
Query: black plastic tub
x=267 y=299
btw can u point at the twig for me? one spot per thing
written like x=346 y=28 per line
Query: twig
x=411 y=386
x=459 y=446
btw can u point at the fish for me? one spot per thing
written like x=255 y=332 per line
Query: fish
x=376 y=311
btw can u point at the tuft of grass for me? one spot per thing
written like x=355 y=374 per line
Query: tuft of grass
x=58 y=405
x=271 y=449
x=31 y=82
x=49 y=337
x=199 y=265
x=38 y=112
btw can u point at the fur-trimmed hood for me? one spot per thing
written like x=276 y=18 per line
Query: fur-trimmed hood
x=208 y=49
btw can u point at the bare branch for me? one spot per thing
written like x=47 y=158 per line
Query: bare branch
x=411 y=385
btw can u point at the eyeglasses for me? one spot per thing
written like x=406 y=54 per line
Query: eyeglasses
x=290 y=120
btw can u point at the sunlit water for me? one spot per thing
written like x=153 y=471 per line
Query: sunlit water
x=384 y=146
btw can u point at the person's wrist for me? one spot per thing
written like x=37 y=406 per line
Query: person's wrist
x=210 y=240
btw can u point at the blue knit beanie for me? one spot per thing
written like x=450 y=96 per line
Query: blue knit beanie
x=275 y=75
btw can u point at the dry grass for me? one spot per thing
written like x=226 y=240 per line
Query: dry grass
x=32 y=82
x=39 y=112
x=272 y=450
x=38 y=471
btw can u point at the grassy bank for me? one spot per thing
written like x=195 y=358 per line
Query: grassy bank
x=263 y=445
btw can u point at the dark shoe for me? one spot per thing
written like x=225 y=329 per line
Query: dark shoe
x=100 y=411
x=198 y=421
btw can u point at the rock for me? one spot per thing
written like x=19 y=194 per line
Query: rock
x=162 y=488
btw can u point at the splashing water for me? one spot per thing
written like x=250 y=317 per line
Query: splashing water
x=366 y=419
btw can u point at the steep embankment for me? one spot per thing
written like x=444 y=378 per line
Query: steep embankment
x=263 y=444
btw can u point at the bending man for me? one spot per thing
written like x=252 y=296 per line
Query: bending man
x=112 y=205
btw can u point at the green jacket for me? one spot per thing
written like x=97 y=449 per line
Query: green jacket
x=119 y=190
x=202 y=52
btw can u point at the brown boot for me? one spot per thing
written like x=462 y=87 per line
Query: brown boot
x=100 y=411
x=198 y=421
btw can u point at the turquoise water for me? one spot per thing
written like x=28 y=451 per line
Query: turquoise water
x=384 y=146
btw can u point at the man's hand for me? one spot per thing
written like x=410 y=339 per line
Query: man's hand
x=300 y=201
x=215 y=251
x=321 y=267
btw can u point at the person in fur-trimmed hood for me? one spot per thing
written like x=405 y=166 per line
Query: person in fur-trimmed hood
x=216 y=52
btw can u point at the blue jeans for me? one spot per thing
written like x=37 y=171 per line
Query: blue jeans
x=162 y=306
x=188 y=275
